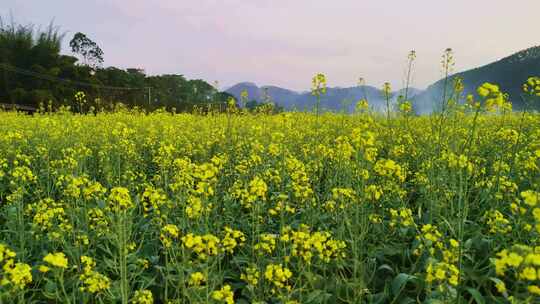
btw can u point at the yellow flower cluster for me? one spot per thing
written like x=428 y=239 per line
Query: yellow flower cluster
x=75 y=187
x=196 y=279
x=6 y=253
x=93 y=190
x=232 y=239
x=364 y=141
x=362 y=105
x=258 y=188
x=530 y=197
x=206 y=245
x=72 y=185
x=267 y=243
x=80 y=97
x=508 y=135
x=57 y=259
x=441 y=273
x=391 y=169
x=153 y=201
x=143 y=297
x=458 y=161
x=49 y=217
x=441 y=269
x=203 y=246
x=318 y=86
x=374 y=192
x=343 y=149
x=98 y=222
x=532 y=86
x=93 y=281
x=205 y=176
x=282 y=206
x=183 y=179
x=300 y=183
x=168 y=233
x=22 y=175
x=16 y=275
x=256 y=191
x=195 y=207
x=375 y=218
x=278 y=275
x=250 y=276
x=306 y=244
x=532 y=200
x=496 y=222
x=120 y=199
x=401 y=217
x=493 y=97
x=520 y=264
x=430 y=239
x=225 y=295
x=405 y=107
x=341 y=197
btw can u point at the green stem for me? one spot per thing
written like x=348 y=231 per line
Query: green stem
x=63 y=287
x=123 y=259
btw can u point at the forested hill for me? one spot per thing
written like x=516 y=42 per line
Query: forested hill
x=34 y=70
x=509 y=73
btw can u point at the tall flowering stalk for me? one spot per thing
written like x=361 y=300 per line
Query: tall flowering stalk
x=318 y=88
x=448 y=63
x=387 y=94
x=411 y=58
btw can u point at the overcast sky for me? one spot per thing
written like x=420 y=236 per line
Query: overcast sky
x=285 y=42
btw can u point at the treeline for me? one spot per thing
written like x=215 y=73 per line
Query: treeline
x=34 y=72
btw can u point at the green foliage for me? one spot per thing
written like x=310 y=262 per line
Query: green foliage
x=33 y=71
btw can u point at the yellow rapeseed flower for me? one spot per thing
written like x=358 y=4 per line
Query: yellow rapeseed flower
x=57 y=259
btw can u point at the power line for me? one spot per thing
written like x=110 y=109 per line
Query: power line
x=17 y=70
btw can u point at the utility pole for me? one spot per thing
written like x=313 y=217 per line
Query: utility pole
x=149 y=94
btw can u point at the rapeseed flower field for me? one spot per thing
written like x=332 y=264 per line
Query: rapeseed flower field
x=238 y=207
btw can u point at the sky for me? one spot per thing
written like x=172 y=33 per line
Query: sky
x=286 y=42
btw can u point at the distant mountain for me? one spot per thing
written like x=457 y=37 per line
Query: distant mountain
x=335 y=99
x=509 y=73
x=254 y=92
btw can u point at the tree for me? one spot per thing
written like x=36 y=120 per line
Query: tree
x=33 y=71
x=22 y=48
x=89 y=50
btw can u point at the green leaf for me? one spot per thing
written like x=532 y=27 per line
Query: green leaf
x=385 y=267
x=407 y=300
x=377 y=298
x=318 y=296
x=399 y=282
x=433 y=301
x=49 y=290
x=476 y=295
x=242 y=301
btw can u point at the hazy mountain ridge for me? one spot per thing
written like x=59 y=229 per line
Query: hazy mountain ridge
x=509 y=73
x=335 y=99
